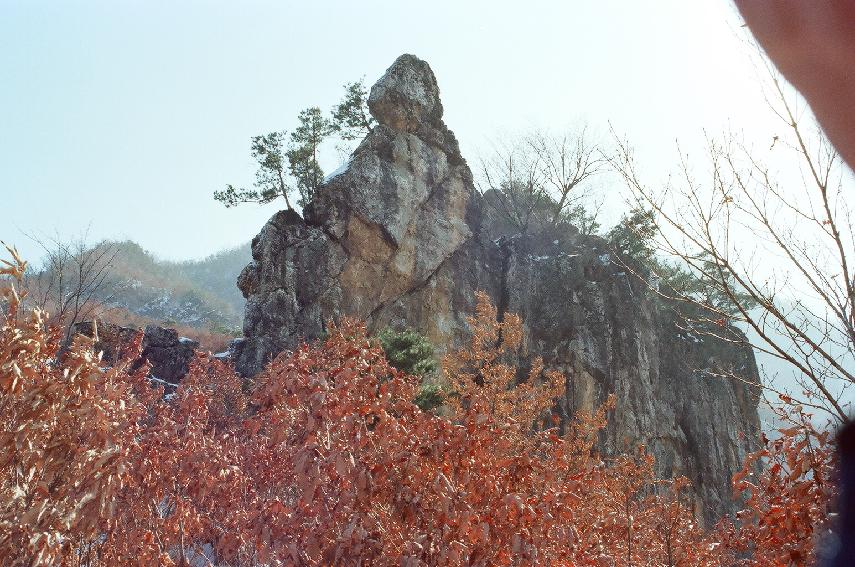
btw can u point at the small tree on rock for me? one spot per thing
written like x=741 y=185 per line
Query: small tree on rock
x=291 y=163
x=303 y=152
x=351 y=119
x=270 y=178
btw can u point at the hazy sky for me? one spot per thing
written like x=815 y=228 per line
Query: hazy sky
x=125 y=116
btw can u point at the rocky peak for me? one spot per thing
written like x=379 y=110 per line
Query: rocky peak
x=401 y=238
x=407 y=96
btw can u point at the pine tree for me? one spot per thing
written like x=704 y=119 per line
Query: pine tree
x=267 y=151
x=303 y=152
x=351 y=118
x=288 y=163
x=633 y=236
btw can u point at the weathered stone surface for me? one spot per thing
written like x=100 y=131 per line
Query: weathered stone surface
x=407 y=96
x=168 y=354
x=112 y=341
x=601 y=327
x=401 y=237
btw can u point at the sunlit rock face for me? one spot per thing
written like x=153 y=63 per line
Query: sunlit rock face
x=399 y=237
x=385 y=240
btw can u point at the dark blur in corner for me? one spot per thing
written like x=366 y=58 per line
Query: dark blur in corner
x=813 y=45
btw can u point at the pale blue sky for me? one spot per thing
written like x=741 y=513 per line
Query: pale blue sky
x=126 y=115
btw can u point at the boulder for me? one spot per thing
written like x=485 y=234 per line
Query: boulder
x=407 y=96
x=168 y=354
x=112 y=341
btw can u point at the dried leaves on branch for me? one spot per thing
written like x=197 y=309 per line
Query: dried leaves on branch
x=788 y=503
x=323 y=460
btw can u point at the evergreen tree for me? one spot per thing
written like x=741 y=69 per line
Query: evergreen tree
x=700 y=286
x=283 y=169
x=633 y=236
x=303 y=152
x=409 y=351
x=267 y=151
x=632 y=239
x=350 y=118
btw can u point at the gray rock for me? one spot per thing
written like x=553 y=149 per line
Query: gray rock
x=168 y=354
x=156 y=336
x=401 y=237
x=111 y=340
x=407 y=96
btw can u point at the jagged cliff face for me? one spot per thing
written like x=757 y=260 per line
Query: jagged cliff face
x=401 y=238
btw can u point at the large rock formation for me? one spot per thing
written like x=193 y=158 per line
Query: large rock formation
x=400 y=237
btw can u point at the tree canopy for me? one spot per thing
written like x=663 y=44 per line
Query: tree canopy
x=289 y=164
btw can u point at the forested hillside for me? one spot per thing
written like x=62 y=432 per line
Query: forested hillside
x=122 y=283
x=198 y=293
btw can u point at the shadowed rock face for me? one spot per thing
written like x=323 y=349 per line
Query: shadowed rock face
x=168 y=354
x=401 y=238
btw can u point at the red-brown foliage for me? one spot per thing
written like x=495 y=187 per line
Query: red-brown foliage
x=322 y=460
x=208 y=338
x=789 y=500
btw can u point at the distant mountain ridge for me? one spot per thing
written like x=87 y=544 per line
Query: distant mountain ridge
x=195 y=293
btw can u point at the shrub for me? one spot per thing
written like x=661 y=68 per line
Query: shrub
x=409 y=351
x=324 y=460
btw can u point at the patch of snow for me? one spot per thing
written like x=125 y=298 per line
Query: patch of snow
x=186 y=340
x=223 y=355
x=555 y=242
x=605 y=259
x=341 y=169
x=159 y=381
x=690 y=337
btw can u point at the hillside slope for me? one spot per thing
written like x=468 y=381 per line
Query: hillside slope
x=122 y=283
x=198 y=293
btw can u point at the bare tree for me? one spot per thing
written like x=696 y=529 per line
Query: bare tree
x=566 y=162
x=775 y=244
x=538 y=179
x=73 y=283
x=511 y=175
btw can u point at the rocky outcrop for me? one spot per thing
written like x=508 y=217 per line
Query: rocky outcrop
x=112 y=341
x=380 y=239
x=400 y=237
x=168 y=354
